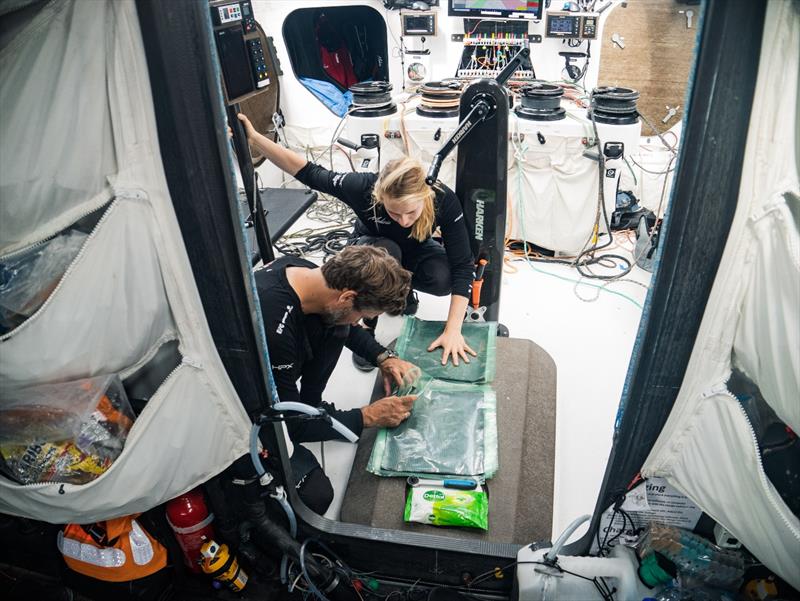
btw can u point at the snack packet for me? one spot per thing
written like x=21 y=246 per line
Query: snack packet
x=69 y=432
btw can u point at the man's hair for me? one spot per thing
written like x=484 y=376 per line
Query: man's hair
x=376 y=276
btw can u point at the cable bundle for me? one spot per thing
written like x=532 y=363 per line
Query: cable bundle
x=540 y=101
x=440 y=99
x=322 y=242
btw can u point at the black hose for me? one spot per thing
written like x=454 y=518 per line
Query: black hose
x=278 y=536
x=225 y=524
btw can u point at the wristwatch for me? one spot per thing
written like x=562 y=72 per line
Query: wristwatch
x=387 y=354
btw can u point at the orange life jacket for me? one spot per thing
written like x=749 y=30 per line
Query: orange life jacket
x=116 y=550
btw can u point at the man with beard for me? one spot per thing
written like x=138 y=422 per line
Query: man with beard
x=310 y=313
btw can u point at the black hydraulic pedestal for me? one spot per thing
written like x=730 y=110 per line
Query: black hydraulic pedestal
x=481 y=186
x=481 y=183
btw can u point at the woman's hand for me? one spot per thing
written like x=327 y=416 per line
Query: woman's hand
x=281 y=157
x=249 y=130
x=398 y=371
x=452 y=344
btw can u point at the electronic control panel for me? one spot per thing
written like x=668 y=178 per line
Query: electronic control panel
x=419 y=23
x=241 y=54
x=572 y=25
x=257 y=62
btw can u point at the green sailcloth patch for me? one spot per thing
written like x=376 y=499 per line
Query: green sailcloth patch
x=417 y=334
x=452 y=431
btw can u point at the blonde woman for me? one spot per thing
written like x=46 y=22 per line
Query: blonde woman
x=398 y=211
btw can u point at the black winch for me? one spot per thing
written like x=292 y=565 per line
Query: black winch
x=540 y=101
x=440 y=99
x=615 y=106
x=372 y=99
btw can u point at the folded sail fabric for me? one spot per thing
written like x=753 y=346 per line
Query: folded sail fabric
x=417 y=335
x=452 y=431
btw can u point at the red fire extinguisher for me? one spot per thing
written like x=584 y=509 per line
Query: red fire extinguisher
x=189 y=518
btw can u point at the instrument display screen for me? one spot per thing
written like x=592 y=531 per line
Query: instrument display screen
x=563 y=26
x=525 y=9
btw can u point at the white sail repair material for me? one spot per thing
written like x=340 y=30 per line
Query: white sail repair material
x=80 y=132
x=708 y=449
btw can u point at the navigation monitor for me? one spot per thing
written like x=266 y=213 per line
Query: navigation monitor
x=524 y=9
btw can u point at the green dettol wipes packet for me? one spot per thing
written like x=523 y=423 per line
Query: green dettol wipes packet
x=439 y=506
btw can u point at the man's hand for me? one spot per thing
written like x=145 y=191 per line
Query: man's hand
x=388 y=412
x=398 y=371
x=453 y=344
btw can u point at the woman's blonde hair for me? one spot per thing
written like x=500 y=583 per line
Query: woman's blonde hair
x=403 y=181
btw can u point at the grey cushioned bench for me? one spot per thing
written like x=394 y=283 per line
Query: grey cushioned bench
x=521 y=493
x=282 y=207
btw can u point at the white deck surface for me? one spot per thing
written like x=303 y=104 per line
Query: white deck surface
x=591 y=343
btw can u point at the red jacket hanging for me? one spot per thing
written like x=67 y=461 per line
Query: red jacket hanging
x=334 y=54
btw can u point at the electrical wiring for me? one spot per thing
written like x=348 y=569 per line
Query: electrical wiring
x=599 y=287
x=328 y=244
x=411 y=594
x=665 y=172
x=526 y=254
x=489 y=573
x=337 y=131
x=633 y=173
x=586 y=256
x=347 y=156
x=308 y=151
x=322 y=241
x=604 y=547
x=583 y=265
x=403 y=132
x=329 y=209
x=674 y=135
x=474 y=29
x=602 y=287
x=304 y=571
x=605 y=593
x=601 y=546
x=625 y=520
x=606 y=596
x=298 y=577
x=672 y=149
x=399 y=44
x=587 y=131
x=586 y=64
x=294 y=585
x=402 y=56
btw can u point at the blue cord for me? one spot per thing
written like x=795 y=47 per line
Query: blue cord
x=555 y=275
